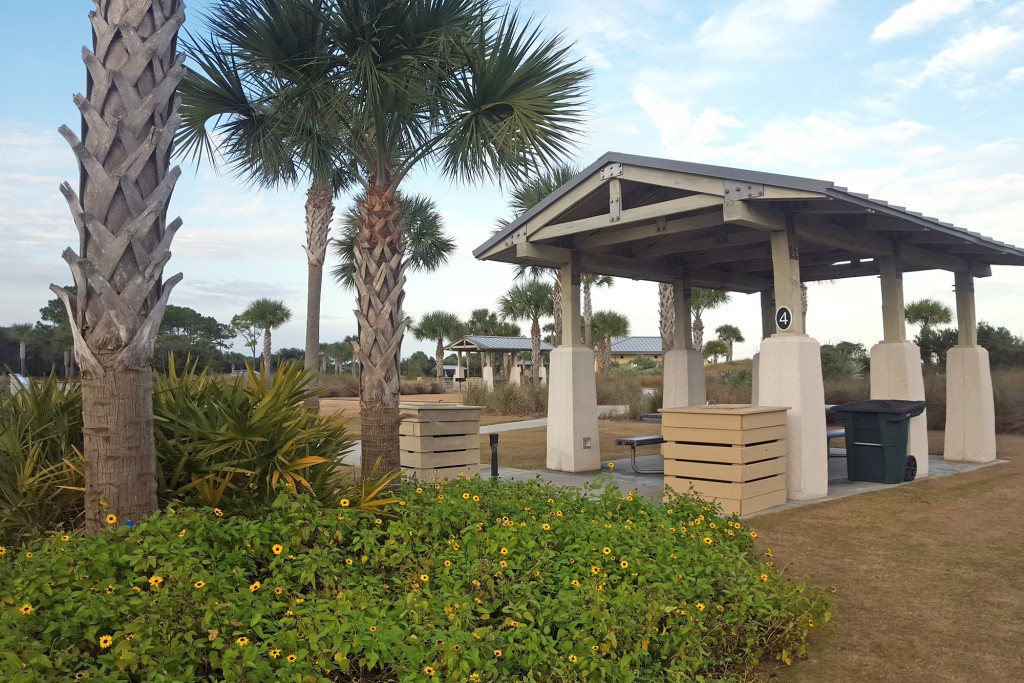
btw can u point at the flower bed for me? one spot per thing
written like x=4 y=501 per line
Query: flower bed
x=466 y=580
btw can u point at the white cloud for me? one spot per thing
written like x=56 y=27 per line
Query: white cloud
x=966 y=55
x=758 y=29
x=918 y=16
x=1016 y=75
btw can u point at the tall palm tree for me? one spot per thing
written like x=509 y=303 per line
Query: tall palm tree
x=607 y=326
x=129 y=115
x=704 y=300
x=427 y=245
x=530 y=300
x=267 y=314
x=729 y=334
x=263 y=86
x=476 y=93
x=21 y=332
x=439 y=326
x=524 y=197
x=588 y=282
x=928 y=313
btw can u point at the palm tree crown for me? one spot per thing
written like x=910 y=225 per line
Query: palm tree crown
x=729 y=334
x=704 y=300
x=608 y=325
x=267 y=314
x=928 y=313
x=439 y=326
x=530 y=300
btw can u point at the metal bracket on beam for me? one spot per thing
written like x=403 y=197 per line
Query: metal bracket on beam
x=611 y=171
x=736 y=190
x=614 y=209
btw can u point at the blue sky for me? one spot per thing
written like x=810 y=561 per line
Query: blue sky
x=918 y=103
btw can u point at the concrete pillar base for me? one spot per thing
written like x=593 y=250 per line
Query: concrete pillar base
x=515 y=375
x=790 y=375
x=543 y=375
x=573 y=443
x=896 y=374
x=488 y=374
x=970 y=407
x=684 y=380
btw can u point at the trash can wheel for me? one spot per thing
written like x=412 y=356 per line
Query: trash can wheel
x=911 y=471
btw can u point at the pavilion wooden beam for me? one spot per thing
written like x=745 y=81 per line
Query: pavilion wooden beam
x=675 y=226
x=746 y=212
x=641 y=214
x=683 y=246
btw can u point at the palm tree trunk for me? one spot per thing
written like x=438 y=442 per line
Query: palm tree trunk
x=22 y=349
x=319 y=211
x=556 y=300
x=380 y=283
x=698 y=333
x=667 y=315
x=588 y=316
x=266 y=351
x=728 y=356
x=439 y=359
x=535 y=350
x=128 y=121
x=67 y=364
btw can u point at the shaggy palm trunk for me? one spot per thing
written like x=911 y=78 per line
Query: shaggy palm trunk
x=319 y=210
x=129 y=116
x=535 y=350
x=588 y=317
x=67 y=364
x=728 y=354
x=556 y=300
x=380 y=283
x=698 y=333
x=22 y=352
x=439 y=359
x=266 y=351
x=667 y=315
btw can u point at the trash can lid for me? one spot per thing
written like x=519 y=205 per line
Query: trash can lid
x=886 y=406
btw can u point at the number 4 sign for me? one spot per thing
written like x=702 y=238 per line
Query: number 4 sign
x=783 y=318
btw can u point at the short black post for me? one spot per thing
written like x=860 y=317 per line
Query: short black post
x=494 y=455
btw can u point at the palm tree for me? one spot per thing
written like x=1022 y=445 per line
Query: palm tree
x=263 y=83
x=267 y=314
x=483 y=321
x=729 y=334
x=928 y=313
x=524 y=197
x=704 y=300
x=474 y=92
x=129 y=115
x=248 y=330
x=530 y=300
x=427 y=246
x=607 y=326
x=587 y=282
x=715 y=348
x=666 y=315
x=439 y=325
x=21 y=332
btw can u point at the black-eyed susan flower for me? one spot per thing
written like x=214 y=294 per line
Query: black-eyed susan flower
x=28 y=555
x=25 y=609
x=3 y=550
x=595 y=570
x=701 y=606
x=106 y=641
x=242 y=642
x=476 y=499
x=497 y=653
x=200 y=584
x=111 y=518
x=447 y=563
x=110 y=590
x=344 y=502
x=292 y=659
x=573 y=658
x=465 y=496
x=429 y=671
x=275 y=653
x=277 y=549
x=424 y=578
x=575 y=583
x=218 y=512
x=707 y=540
x=474 y=677
x=278 y=590
x=606 y=550
x=764 y=577
x=611 y=466
x=348 y=561
x=753 y=534
x=503 y=551
x=65 y=538
x=373 y=629
x=419 y=490
x=254 y=586
x=624 y=564
x=155 y=581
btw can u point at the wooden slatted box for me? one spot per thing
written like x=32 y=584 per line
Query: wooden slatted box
x=733 y=454
x=439 y=440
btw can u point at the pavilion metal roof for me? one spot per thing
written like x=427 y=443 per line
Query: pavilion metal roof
x=636 y=345
x=650 y=218
x=494 y=344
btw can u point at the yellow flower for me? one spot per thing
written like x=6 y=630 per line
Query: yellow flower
x=278 y=549
x=25 y=609
x=429 y=671
x=476 y=499
x=111 y=518
x=595 y=570
x=3 y=550
x=65 y=538
x=217 y=511
x=378 y=521
x=503 y=551
x=440 y=498
x=606 y=550
x=611 y=466
x=299 y=601
x=623 y=564
x=278 y=590
x=106 y=641
x=292 y=659
x=199 y=584
x=700 y=606
x=708 y=540
x=447 y=563
x=738 y=526
x=424 y=578
x=348 y=561
x=764 y=577
x=274 y=654
x=254 y=586
x=545 y=527
x=768 y=552
x=720 y=608
x=419 y=490
x=465 y=496
x=573 y=658
x=110 y=590
x=28 y=555
x=344 y=502
x=753 y=534
x=474 y=677
x=575 y=583
x=155 y=581
x=712 y=525
x=770 y=564
x=181 y=534
x=242 y=642
x=373 y=629
x=497 y=653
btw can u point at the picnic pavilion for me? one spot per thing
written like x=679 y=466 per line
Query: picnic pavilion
x=696 y=225
x=488 y=345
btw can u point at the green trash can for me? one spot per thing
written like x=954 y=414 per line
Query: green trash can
x=877 y=433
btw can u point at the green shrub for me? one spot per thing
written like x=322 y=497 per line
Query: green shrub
x=465 y=580
x=40 y=461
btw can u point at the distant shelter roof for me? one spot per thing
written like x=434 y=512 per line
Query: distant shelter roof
x=636 y=345
x=496 y=344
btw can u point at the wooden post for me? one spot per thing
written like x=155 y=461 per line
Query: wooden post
x=786 y=265
x=894 y=323
x=569 y=276
x=966 y=319
x=767 y=313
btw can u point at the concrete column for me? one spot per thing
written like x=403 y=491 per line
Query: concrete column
x=896 y=363
x=970 y=407
x=683 y=370
x=573 y=444
x=515 y=374
x=789 y=371
x=488 y=374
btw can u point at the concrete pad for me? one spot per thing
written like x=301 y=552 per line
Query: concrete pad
x=896 y=374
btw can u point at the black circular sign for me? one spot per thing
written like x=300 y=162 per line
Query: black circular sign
x=783 y=318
